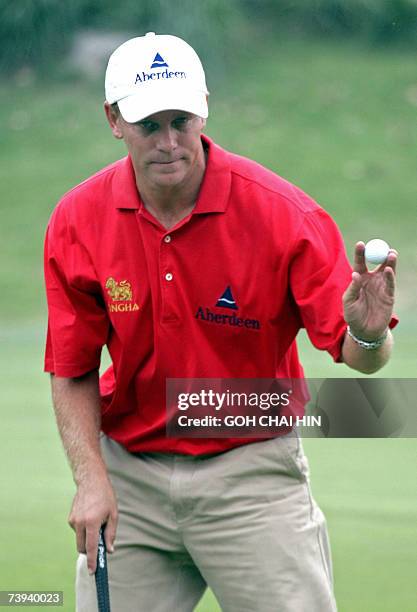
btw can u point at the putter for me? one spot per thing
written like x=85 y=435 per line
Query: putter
x=102 y=581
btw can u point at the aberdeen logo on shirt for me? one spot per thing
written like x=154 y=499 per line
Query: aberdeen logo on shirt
x=226 y=300
x=120 y=292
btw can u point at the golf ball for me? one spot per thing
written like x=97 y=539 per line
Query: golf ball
x=376 y=251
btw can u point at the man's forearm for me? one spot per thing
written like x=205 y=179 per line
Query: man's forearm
x=77 y=409
x=365 y=361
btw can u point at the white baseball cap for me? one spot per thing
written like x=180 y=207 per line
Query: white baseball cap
x=152 y=73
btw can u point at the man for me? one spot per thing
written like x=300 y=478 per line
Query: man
x=139 y=257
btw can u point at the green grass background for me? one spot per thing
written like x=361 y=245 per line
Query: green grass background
x=339 y=121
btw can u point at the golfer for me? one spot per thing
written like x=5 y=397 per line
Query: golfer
x=188 y=261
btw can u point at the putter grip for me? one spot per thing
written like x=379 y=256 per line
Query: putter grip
x=102 y=582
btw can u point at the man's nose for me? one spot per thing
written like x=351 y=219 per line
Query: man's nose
x=167 y=139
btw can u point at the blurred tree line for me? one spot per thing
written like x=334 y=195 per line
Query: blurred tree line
x=35 y=33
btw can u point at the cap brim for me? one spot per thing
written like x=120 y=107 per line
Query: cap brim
x=163 y=96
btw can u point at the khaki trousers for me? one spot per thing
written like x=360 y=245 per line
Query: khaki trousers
x=242 y=522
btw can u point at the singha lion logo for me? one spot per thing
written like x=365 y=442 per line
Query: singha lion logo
x=119 y=292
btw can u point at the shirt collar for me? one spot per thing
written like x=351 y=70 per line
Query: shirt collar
x=124 y=191
x=215 y=188
x=214 y=191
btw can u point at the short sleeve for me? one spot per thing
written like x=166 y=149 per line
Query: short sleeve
x=319 y=275
x=78 y=325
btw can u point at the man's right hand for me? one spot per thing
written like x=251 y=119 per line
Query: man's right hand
x=94 y=504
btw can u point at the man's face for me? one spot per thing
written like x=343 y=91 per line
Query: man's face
x=165 y=147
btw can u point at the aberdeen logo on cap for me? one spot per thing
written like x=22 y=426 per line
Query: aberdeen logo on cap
x=159 y=62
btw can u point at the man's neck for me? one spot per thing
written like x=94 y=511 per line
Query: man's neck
x=169 y=205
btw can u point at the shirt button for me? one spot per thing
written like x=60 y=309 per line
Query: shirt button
x=167 y=238
x=168 y=276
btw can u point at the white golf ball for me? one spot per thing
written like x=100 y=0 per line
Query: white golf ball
x=376 y=251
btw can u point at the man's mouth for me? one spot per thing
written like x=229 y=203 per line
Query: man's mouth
x=166 y=163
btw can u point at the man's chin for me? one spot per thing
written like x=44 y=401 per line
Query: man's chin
x=167 y=178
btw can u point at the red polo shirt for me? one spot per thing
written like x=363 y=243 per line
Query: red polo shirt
x=221 y=294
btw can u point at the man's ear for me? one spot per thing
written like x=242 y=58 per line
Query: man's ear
x=113 y=118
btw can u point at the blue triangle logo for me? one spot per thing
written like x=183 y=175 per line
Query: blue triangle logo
x=227 y=300
x=159 y=62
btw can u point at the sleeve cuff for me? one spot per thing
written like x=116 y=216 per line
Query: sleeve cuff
x=70 y=370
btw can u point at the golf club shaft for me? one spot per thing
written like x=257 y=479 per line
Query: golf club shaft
x=102 y=582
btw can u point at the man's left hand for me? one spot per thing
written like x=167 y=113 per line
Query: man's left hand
x=368 y=302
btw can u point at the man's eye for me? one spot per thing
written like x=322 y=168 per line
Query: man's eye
x=180 y=122
x=148 y=126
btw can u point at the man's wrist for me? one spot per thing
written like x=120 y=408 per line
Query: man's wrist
x=90 y=472
x=366 y=343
